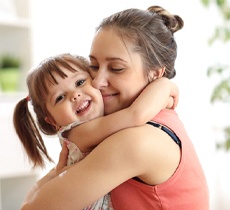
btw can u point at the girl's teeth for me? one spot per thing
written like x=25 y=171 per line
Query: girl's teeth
x=83 y=106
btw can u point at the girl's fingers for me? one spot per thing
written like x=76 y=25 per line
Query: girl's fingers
x=62 y=158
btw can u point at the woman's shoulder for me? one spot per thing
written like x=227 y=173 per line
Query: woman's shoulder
x=148 y=148
x=139 y=137
x=140 y=142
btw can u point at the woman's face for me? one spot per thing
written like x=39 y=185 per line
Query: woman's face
x=117 y=71
x=73 y=99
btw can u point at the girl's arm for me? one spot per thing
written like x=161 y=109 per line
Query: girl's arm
x=156 y=96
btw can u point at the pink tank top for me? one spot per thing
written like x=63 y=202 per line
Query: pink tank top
x=186 y=189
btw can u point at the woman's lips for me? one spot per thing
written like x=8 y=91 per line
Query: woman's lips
x=108 y=96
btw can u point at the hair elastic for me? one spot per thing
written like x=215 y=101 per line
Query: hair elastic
x=28 y=98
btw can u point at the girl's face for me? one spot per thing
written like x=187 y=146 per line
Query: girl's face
x=117 y=71
x=73 y=99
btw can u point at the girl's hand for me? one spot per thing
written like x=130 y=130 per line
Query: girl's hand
x=174 y=96
x=63 y=157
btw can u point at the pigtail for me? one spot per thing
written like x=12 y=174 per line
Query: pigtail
x=173 y=22
x=29 y=135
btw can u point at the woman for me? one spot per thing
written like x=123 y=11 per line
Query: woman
x=62 y=84
x=153 y=166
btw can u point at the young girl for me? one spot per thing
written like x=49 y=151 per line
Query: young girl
x=62 y=96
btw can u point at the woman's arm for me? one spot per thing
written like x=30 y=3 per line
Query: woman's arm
x=125 y=154
x=156 y=96
x=51 y=174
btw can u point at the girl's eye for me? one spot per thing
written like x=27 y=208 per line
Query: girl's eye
x=79 y=82
x=59 y=98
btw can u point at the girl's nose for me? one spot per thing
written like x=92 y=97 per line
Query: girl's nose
x=75 y=96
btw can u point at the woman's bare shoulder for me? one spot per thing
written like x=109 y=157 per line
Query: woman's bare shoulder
x=144 y=150
x=134 y=144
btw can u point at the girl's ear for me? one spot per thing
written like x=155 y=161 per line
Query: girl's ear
x=52 y=122
x=157 y=73
x=48 y=120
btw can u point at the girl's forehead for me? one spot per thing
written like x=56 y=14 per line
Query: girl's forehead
x=73 y=70
x=67 y=73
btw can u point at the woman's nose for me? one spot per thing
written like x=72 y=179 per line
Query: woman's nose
x=100 y=80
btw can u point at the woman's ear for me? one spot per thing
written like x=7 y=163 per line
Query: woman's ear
x=157 y=73
x=160 y=72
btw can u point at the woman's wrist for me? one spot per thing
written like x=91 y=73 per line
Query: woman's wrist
x=51 y=174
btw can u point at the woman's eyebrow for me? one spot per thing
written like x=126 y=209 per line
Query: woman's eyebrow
x=115 y=59
x=108 y=58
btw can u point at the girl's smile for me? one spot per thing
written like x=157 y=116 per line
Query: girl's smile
x=74 y=99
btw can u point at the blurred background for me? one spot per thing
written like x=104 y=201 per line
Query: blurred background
x=32 y=30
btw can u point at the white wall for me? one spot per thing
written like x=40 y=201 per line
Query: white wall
x=68 y=26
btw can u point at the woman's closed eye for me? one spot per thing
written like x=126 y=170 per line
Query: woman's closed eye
x=96 y=68
x=116 y=69
x=93 y=68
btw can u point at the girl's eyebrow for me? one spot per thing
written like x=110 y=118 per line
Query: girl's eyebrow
x=108 y=58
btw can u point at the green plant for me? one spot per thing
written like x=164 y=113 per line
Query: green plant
x=9 y=61
x=221 y=92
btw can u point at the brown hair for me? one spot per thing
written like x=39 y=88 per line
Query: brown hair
x=38 y=81
x=151 y=34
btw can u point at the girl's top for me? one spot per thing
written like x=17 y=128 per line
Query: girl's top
x=186 y=189
x=76 y=155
